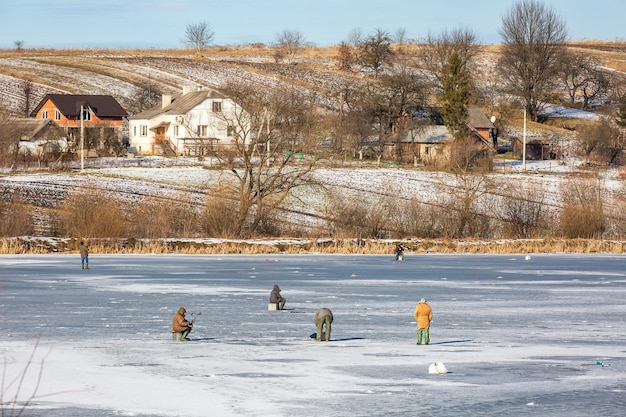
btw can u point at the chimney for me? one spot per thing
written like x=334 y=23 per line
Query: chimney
x=166 y=100
x=187 y=89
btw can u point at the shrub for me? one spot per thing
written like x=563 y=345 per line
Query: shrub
x=89 y=212
x=582 y=214
x=15 y=218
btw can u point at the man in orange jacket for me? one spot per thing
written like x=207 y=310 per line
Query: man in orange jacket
x=423 y=315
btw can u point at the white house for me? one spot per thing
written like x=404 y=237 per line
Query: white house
x=187 y=124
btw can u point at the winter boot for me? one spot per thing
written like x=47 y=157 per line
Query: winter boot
x=419 y=337
x=426 y=336
x=82 y=266
x=86 y=265
x=184 y=337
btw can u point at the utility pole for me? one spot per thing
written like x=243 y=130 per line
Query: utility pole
x=524 y=143
x=82 y=139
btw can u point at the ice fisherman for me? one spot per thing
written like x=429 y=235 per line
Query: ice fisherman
x=323 y=319
x=423 y=315
x=275 y=297
x=84 y=255
x=399 y=252
x=181 y=325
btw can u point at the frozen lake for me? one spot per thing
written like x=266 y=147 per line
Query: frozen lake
x=519 y=337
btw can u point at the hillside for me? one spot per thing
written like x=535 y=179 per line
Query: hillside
x=125 y=74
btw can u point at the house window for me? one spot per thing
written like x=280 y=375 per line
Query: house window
x=229 y=131
x=134 y=131
x=57 y=115
x=426 y=150
x=176 y=130
x=44 y=114
x=86 y=113
x=217 y=106
x=144 y=130
x=202 y=129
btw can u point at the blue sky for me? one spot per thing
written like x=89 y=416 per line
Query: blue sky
x=162 y=23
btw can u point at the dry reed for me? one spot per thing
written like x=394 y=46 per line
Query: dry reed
x=23 y=245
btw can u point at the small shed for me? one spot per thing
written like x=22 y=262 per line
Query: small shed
x=426 y=143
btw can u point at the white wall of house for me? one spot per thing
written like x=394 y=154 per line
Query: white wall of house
x=202 y=121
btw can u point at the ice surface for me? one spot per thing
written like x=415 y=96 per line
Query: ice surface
x=519 y=337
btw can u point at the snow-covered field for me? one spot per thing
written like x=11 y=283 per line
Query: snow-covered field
x=519 y=337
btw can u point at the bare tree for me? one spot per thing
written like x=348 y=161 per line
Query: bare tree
x=602 y=139
x=583 y=77
x=10 y=134
x=613 y=144
x=620 y=117
x=399 y=37
x=27 y=90
x=461 y=199
x=289 y=42
x=438 y=49
x=533 y=37
x=355 y=37
x=198 y=35
x=523 y=211
x=19 y=45
x=375 y=51
x=272 y=152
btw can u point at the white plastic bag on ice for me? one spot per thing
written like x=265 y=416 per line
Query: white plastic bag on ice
x=437 y=368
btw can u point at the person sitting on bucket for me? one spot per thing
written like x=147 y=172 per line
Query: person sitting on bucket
x=323 y=318
x=423 y=315
x=275 y=297
x=181 y=325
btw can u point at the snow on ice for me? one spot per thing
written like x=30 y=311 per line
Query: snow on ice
x=542 y=335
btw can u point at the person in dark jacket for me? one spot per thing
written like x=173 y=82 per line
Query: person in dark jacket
x=181 y=325
x=275 y=297
x=323 y=319
x=84 y=256
x=399 y=253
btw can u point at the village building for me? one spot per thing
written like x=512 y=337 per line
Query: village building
x=96 y=120
x=38 y=137
x=191 y=124
x=430 y=143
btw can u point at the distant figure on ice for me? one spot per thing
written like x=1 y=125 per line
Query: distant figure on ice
x=275 y=297
x=84 y=255
x=181 y=326
x=323 y=318
x=399 y=253
x=423 y=315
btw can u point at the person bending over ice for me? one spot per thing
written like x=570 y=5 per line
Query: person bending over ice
x=323 y=318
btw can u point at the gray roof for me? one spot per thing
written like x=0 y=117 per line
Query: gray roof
x=432 y=134
x=180 y=105
x=29 y=128
x=477 y=119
